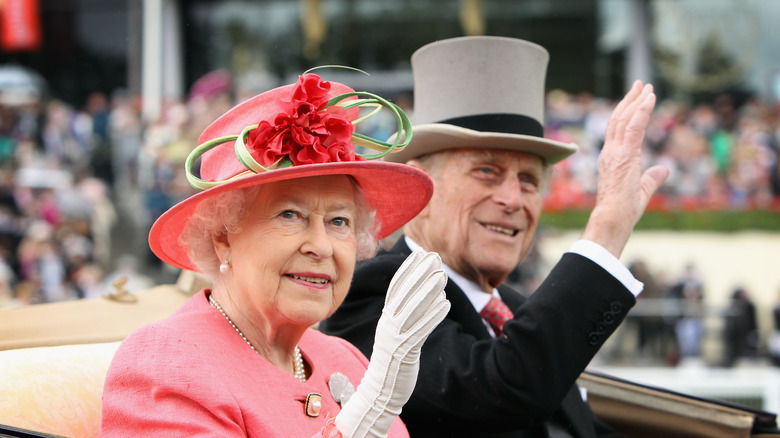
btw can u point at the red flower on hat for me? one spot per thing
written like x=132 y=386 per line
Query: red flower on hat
x=307 y=131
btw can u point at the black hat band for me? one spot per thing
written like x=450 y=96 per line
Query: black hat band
x=499 y=122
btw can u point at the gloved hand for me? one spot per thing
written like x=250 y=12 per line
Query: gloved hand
x=415 y=304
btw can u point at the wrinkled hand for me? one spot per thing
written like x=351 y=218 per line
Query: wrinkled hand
x=415 y=304
x=623 y=189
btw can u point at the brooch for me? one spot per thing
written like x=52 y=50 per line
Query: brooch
x=313 y=405
x=340 y=388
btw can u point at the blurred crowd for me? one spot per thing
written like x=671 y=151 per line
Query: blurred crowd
x=673 y=322
x=722 y=154
x=80 y=185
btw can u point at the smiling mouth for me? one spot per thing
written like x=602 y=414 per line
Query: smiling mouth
x=505 y=231
x=315 y=280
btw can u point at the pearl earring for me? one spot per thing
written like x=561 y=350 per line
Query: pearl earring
x=224 y=266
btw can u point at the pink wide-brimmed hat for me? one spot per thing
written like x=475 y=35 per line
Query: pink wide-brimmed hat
x=295 y=131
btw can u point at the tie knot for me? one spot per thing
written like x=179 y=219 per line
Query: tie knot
x=496 y=313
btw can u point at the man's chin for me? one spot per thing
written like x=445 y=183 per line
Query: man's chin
x=496 y=273
x=501 y=262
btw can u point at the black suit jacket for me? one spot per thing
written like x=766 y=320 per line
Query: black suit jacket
x=472 y=385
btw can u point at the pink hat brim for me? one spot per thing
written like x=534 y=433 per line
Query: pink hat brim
x=396 y=191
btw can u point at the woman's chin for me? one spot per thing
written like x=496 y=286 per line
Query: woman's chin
x=309 y=317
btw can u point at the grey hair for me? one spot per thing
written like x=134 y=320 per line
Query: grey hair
x=221 y=214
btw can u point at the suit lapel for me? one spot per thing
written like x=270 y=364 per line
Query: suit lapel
x=510 y=297
x=461 y=309
x=400 y=247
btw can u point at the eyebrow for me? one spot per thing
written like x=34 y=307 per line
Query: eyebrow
x=344 y=206
x=484 y=156
x=301 y=201
x=498 y=159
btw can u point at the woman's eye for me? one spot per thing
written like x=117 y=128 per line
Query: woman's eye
x=340 y=222
x=288 y=214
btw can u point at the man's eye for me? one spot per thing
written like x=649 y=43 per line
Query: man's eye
x=528 y=180
x=486 y=173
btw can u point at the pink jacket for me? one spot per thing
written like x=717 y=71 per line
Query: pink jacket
x=192 y=375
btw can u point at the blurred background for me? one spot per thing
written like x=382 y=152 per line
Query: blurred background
x=102 y=100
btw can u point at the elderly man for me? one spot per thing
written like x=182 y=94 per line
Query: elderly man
x=479 y=111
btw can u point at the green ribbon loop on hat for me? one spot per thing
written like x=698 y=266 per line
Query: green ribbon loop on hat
x=403 y=138
x=402 y=122
x=249 y=161
x=200 y=150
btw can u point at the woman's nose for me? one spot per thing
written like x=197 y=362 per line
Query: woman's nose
x=317 y=243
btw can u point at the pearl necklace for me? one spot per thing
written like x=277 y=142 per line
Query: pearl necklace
x=300 y=372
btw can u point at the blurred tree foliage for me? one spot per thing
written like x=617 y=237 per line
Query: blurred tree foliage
x=724 y=220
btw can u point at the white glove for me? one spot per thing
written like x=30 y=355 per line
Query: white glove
x=415 y=304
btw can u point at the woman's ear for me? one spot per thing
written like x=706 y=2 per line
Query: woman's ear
x=221 y=244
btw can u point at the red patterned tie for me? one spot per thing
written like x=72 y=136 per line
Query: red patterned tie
x=496 y=313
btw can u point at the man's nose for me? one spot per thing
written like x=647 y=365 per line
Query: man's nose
x=509 y=194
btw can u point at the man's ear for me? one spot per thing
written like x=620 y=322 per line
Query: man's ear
x=424 y=213
x=415 y=163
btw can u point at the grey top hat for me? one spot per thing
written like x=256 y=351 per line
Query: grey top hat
x=483 y=92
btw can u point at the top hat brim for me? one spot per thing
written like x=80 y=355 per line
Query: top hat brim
x=396 y=192
x=435 y=137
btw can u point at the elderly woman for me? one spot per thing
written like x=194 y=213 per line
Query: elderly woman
x=287 y=208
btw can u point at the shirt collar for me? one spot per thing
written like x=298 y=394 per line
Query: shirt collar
x=474 y=293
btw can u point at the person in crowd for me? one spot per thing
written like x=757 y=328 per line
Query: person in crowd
x=688 y=291
x=651 y=333
x=773 y=346
x=478 y=133
x=286 y=209
x=740 y=328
